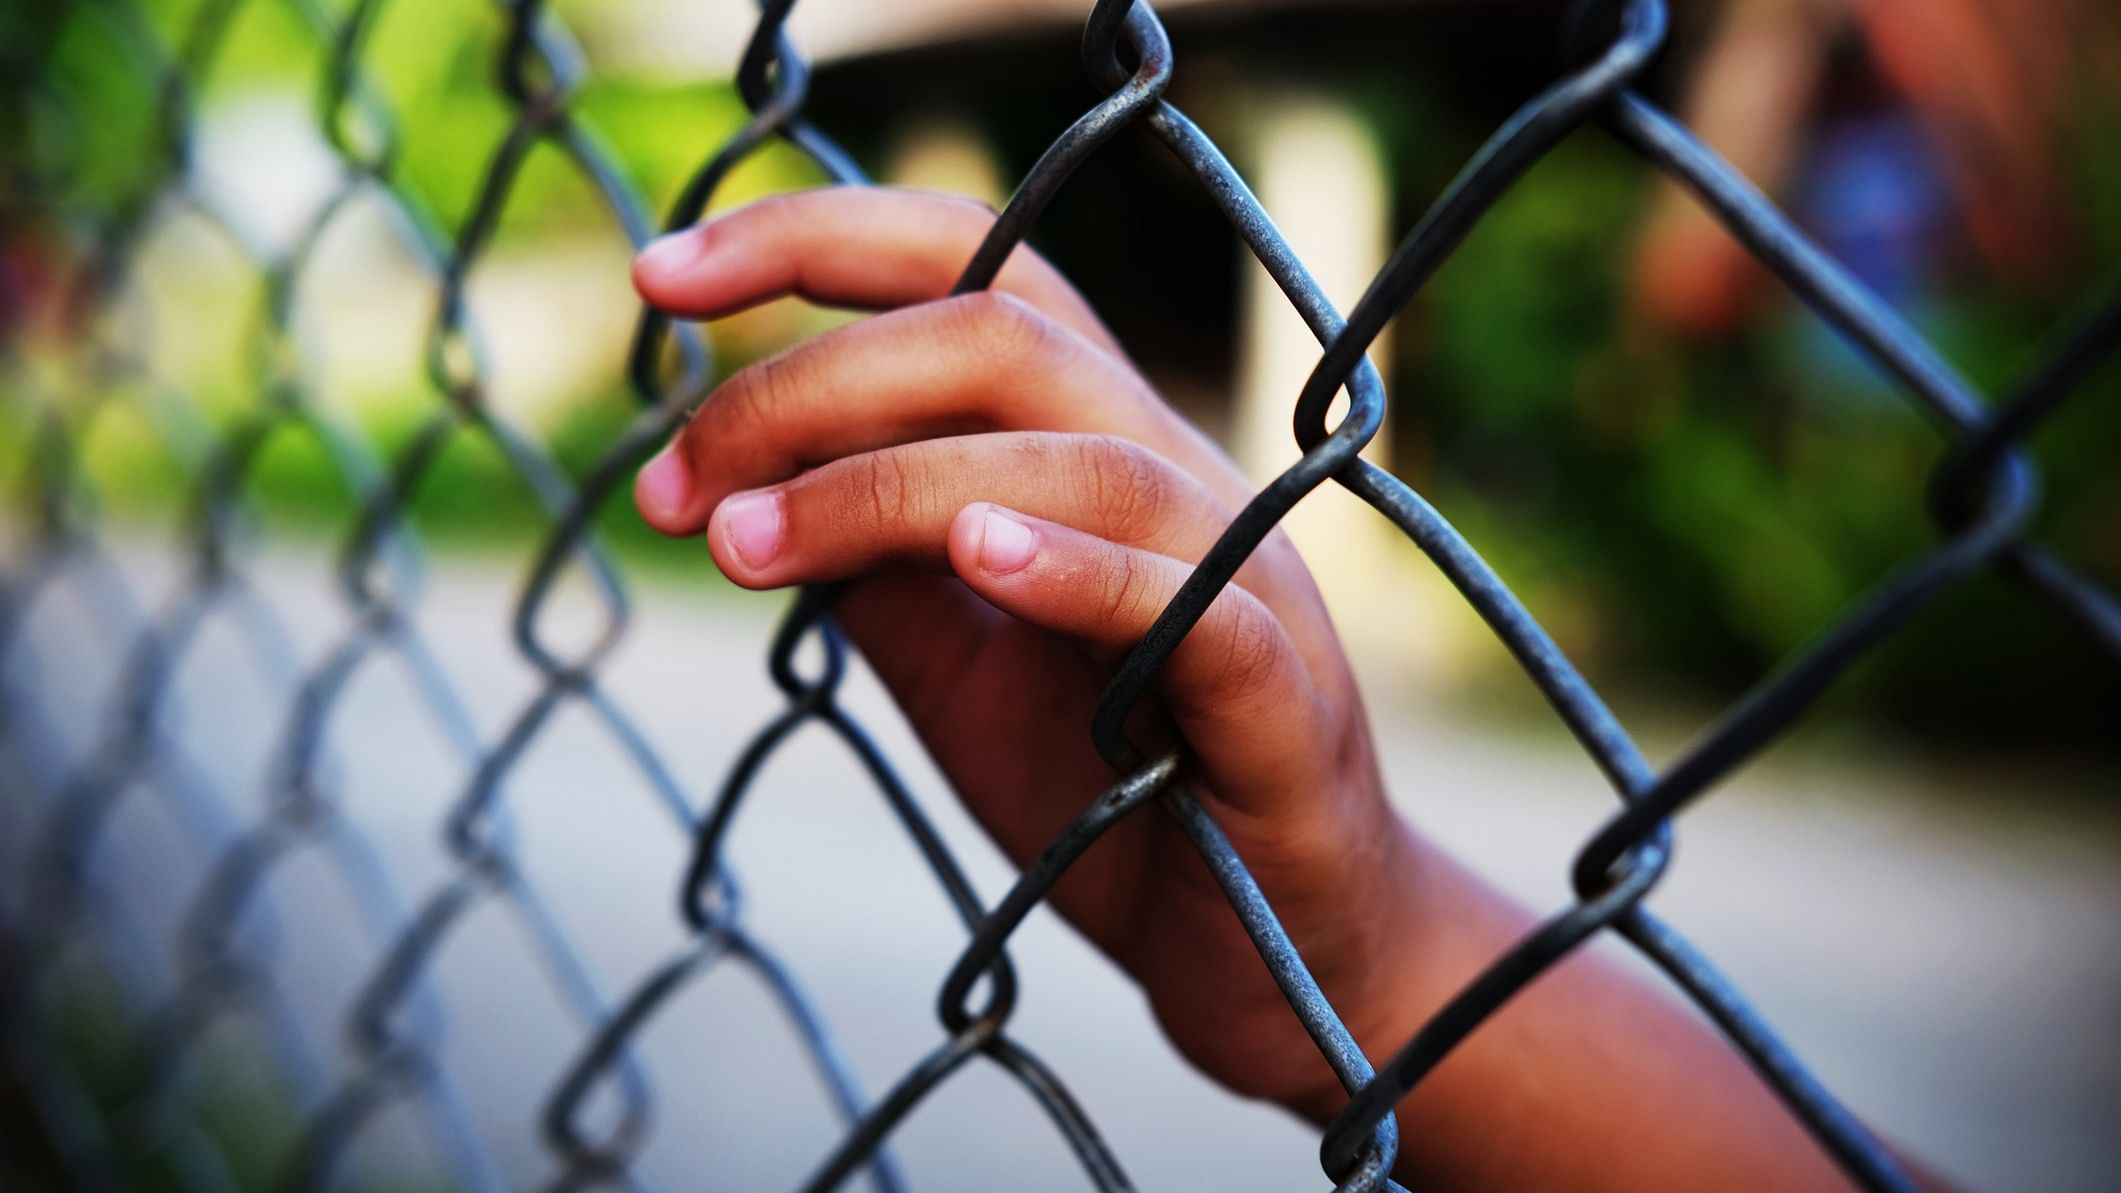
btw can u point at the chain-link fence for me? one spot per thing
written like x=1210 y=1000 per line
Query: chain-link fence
x=59 y=914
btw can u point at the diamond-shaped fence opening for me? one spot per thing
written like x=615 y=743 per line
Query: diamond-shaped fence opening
x=84 y=962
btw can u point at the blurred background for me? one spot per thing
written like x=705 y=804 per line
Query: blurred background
x=1683 y=473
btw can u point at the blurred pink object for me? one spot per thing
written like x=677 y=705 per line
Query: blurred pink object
x=1991 y=83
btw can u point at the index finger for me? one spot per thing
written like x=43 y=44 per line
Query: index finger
x=871 y=248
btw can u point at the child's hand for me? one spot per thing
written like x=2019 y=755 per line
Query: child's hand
x=1013 y=506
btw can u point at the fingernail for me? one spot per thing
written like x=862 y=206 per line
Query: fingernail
x=754 y=525
x=664 y=484
x=671 y=253
x=1005 y=544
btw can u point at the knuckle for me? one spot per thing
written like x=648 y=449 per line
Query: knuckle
x=1251 y=648
x=1129 y=486
x=884 y=491
x=1003 y=330
x=1127 y=585
x=751 y=397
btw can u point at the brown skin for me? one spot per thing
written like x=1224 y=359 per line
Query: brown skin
x=1011 y=505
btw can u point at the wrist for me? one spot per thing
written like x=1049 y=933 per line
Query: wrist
x=1434 y=923
x=1381 y=990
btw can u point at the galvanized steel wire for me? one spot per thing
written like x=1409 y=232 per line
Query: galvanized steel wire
x=57 y=908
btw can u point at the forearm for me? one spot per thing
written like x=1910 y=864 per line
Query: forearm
x=1006 y=507
x=1590 y=1079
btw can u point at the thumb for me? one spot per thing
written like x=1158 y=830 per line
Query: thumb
x=1236 y=686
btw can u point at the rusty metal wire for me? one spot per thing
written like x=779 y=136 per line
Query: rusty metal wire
x=59 y=914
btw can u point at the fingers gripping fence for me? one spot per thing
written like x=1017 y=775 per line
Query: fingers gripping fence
x=59 y=908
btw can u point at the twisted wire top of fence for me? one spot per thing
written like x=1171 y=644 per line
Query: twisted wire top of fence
x=1982 y=496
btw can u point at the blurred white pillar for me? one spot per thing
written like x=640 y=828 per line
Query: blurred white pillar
x=1321 y=174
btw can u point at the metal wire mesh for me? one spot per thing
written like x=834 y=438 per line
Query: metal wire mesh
x=57 y=908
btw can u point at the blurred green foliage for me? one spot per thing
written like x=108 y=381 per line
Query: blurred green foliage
x=241 y=1119
x=433 y=65
x=1717 y=504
